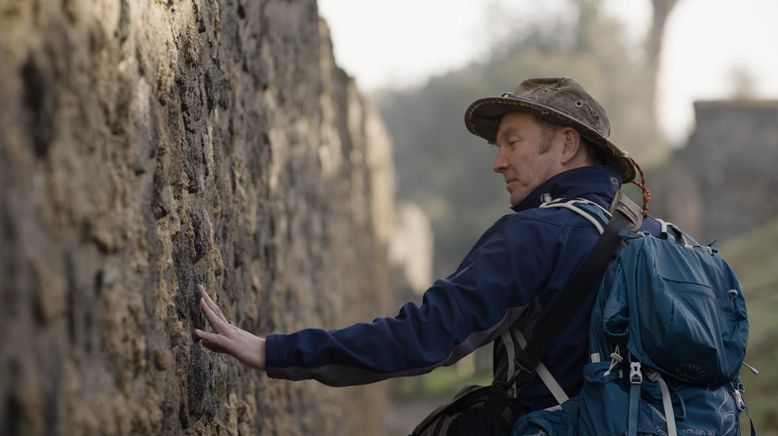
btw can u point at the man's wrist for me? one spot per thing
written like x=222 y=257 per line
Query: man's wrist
x=273 y=350
x=262 y=350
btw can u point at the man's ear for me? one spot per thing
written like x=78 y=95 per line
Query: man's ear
x=572 y=144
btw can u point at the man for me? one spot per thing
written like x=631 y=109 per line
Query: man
x=551 y=141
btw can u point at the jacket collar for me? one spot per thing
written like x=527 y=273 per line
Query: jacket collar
x=598 y=180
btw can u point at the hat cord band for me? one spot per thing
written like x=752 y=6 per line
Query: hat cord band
x=642 y=185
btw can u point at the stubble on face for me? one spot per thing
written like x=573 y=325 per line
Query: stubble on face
x=524 y=142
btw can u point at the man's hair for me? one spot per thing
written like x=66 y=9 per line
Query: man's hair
x=548 y=130
x=595 y=154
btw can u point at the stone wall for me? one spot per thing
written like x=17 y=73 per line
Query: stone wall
x=722 y=183
x=146 y=147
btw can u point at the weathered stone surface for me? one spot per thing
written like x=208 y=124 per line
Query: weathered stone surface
x=149 y=146
x=411 y=249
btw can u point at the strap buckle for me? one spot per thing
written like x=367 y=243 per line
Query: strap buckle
x=741 y=405
x=635 y=376
x=520 y=366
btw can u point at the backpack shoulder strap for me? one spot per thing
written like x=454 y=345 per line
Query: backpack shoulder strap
x=593 y=212
x=550 y=327
x=634 y=213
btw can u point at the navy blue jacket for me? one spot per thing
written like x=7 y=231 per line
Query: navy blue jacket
x=517 y=269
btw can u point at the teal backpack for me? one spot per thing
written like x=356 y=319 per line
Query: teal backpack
x=667 y=339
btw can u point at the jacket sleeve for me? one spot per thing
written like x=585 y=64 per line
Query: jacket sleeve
x=470 y=308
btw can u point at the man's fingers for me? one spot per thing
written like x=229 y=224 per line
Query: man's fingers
x=215 y=307
x=217 y=323
x=212 y=304
x=212 y=341
x=214 y=347
x=204 y=295
x=207 y=336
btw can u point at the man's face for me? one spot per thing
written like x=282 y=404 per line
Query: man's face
x=524 y=157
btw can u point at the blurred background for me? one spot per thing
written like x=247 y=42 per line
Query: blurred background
x=148 y=147
x=692 y=90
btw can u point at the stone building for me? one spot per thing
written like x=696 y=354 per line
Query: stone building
x=723 y=182
x=147 y=147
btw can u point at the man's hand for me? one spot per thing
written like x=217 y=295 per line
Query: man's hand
x=242 y=345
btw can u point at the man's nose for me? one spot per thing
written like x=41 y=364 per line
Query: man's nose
x=500 y=162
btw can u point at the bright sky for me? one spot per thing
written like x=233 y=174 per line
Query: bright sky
x=404 y=42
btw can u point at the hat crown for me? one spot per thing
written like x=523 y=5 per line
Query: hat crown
x=569 y=97
x=559 y=100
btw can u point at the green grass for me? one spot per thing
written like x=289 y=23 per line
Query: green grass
x=441 y=383
x=755 y=259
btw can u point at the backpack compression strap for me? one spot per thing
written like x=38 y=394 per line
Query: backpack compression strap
x=550 y=327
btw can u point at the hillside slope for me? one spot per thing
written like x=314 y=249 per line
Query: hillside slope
x=755 y=259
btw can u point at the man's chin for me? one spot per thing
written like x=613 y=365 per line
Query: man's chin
x=515 y=200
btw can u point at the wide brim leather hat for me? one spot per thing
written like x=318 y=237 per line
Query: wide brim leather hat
x=561 y=101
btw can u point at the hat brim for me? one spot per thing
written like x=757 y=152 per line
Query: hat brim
x=483 y=118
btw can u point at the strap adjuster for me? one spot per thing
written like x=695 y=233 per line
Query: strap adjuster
x=741 y=405
x=635 y=376
x=520 y=366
